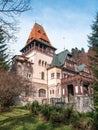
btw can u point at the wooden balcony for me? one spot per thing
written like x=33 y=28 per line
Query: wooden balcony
x=77 y=77
x=70 y=68
x=40 y=50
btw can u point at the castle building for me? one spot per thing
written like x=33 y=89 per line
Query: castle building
x=54 y=77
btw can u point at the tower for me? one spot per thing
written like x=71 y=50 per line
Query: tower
x=40 y=52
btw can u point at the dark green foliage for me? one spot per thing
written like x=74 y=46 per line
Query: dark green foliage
x=56 y=117
x=93 y=38
x=70 y=116
x=85 y=123
x=74 y=118
x=4 y=62
x=96 y=94
x=96 y=119
x=77 y=54
x=93 y=42
x=33 y=107
x=27 y=106
x=66 y=116
x=46 y=111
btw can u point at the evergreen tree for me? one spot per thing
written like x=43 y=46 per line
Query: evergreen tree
x=93 y=42
x=79 y=55
x=93 y=38
x=75 y=54
x=4 y=63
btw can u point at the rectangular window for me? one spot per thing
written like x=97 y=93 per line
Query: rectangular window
x=58 y=75
x=63 y=91
x=76 y=88
x=81 y=89
x=42 y=75
x=52 y=75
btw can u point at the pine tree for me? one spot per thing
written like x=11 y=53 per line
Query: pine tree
x=75 y=54
x=4 y=62
x=93 y=42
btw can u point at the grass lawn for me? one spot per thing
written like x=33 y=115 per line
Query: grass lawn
x=20 y=119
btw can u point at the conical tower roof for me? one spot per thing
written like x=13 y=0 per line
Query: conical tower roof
x=38 y=33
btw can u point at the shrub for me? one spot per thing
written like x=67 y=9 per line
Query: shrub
x=85 y=123
x=67 y=115
x=74 y=119
x=56 y=117
x=96 y=120
x=35 y=107
x=46 y=111
x=58 y=109
x=28 y=106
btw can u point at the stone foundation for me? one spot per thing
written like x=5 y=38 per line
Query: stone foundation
x=83 y=103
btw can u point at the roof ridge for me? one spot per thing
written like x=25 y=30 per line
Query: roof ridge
x=63 y=51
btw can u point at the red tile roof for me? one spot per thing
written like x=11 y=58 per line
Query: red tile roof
x=38 y=33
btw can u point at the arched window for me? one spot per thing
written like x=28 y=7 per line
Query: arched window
x=42 y=63
x=42 y=93
x=42 y=75
x=52 y=91
x=45 y=64
x=39 y=62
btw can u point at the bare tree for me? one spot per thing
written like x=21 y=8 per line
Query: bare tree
x=11 y=86
x=9 y=10
x=14 y=88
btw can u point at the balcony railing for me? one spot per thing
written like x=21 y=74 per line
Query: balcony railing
x=76 y=77
x=72 y=68
x=39 y=49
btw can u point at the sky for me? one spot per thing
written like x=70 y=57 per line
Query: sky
x=66 y=22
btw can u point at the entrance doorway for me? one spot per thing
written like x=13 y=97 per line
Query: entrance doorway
x=70 y=93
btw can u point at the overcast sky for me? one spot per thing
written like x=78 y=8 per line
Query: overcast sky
x=66 y=22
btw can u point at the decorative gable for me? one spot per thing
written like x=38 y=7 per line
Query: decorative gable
x=59 y=59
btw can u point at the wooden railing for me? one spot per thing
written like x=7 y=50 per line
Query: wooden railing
x=77 y=77
x=39 y=49
x=70 y=68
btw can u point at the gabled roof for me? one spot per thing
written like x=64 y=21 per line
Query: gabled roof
x=81 y=67
x=59 y=59
x=21 y=58
x=38 y=33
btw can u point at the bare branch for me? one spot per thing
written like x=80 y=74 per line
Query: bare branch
x=9 y=9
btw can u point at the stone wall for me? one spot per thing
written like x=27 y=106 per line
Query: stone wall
x=83 y=103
